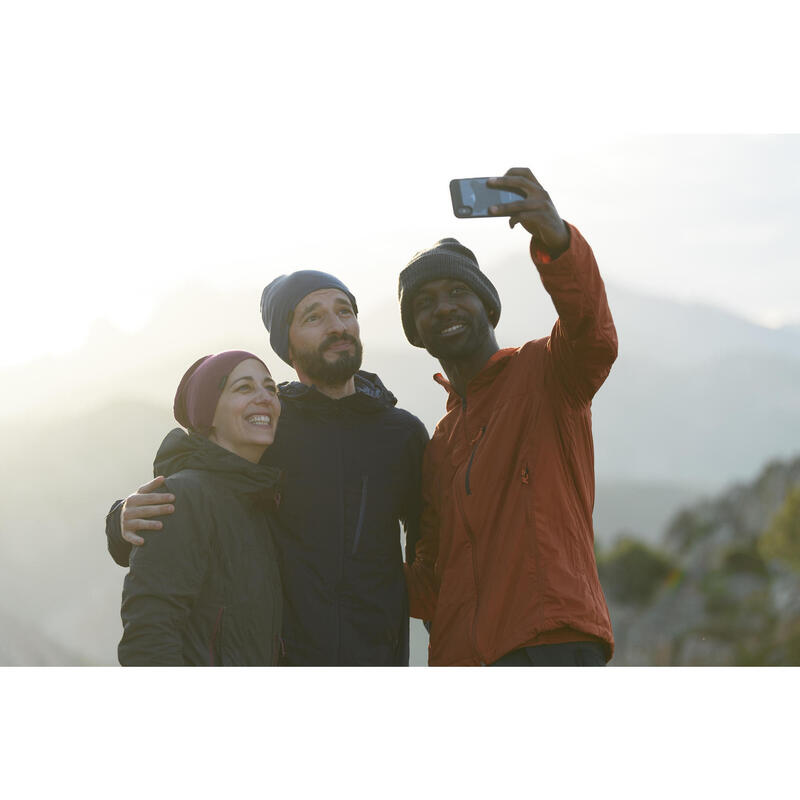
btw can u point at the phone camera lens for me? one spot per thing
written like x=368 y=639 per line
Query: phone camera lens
x=465 y=211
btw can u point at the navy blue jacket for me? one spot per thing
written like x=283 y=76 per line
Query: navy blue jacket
x=352 y=472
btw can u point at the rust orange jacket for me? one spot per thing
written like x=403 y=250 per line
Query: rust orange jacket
x=506 y=553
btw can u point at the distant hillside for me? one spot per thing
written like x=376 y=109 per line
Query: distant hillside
x=722 y=586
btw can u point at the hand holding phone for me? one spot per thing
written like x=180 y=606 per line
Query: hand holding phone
x=472 y=197
x=518 y=196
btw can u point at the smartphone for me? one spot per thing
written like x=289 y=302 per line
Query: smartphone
x=472 y=197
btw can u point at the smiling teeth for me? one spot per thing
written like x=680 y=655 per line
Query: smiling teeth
x=452 y=328
x=260 y=419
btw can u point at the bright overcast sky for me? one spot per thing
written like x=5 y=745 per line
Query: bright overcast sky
x=148 y=144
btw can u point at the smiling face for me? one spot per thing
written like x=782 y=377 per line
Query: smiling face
x=324 y=342
x=247 y=412
x=451 y=319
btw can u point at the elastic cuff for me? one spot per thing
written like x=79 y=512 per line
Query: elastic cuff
x=543 y=257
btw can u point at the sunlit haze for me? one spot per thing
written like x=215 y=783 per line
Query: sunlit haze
x=229 y=150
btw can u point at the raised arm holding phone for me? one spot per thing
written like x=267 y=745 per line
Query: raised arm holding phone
x=505 y=567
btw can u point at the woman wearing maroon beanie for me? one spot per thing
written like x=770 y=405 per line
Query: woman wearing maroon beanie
x=206 y=589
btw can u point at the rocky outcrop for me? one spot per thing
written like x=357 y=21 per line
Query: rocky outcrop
x=723 y=600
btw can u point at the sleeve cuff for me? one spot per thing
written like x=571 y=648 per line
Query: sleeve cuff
x=539 y=256
x=542 y=256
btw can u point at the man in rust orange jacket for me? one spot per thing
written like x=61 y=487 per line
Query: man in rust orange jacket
x=505 y=568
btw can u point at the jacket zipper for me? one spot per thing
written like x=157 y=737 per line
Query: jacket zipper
x=476 y=441
x=471 y=537
x=361 y=510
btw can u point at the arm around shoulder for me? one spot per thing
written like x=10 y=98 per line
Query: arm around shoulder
x=118 y=548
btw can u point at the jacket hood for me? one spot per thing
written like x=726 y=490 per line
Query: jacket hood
x=370 y=395
x=181 y=450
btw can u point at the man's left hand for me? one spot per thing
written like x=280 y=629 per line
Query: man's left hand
x=536 y=212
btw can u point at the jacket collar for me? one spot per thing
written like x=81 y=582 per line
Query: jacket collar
x=370 y=395
x=491 y=369
x=181 y=450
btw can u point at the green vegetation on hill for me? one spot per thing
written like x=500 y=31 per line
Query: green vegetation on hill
x=631 y=571
x=781 y=540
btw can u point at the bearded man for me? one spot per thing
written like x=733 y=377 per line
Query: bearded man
x=352 y=465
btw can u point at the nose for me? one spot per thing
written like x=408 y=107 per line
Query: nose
x=444 y=305
x=336 y=324
x=265 y=397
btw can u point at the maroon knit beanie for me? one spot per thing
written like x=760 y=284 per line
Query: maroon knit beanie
x=201 y=387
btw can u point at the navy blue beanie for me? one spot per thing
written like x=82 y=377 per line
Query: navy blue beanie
x=279 y=299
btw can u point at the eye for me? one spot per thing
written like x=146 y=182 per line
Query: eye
x=345 y=312
x=458 y=290
x=311 y=318
x=244 y=387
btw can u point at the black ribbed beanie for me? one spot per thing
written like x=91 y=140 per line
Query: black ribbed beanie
x=448 y=258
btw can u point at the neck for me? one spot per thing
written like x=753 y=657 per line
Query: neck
x=460 y=371
x=334 y=391
x=251 y=453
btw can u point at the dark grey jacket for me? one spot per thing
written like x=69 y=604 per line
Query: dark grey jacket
x=206 y=589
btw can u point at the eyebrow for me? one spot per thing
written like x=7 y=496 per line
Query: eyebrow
x=251 y=378
x=308 y=308
x=449 y=283
x=339 y=301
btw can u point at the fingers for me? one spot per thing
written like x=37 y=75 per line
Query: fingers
x=517 y=207
x=540 y=209
x=152 y=500
x=154 y=484
x=146 y=512
x=139 y=509
x=523 y=172
x=135 y=540
x=136 y=520
x=518 y=179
